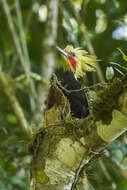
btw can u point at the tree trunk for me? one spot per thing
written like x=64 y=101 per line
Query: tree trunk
x=66 y=145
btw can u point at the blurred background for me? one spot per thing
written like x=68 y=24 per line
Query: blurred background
x=100 y=27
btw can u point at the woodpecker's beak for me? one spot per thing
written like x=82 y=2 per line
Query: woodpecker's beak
x=62 y=51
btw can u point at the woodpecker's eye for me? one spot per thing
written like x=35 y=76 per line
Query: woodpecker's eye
x=73 y=54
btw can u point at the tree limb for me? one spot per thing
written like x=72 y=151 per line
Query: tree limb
x=32 y=96
x=24 y=59
x=14 y=35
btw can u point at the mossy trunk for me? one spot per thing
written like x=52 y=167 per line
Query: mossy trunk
x=66 y=145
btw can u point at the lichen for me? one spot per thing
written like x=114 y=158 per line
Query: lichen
x=117 y=126
x=69 y=152
x=106 y=101
x=123 y=102
x=58 y=172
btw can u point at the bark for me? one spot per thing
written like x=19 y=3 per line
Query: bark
x=66 y=146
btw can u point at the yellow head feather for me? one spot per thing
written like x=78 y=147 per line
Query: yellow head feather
x=85 y=62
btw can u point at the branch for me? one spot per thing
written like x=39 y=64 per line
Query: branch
x=14 y=35
x=86 y=88
x=48 y=58
x=26 y=55
x=8 y=91
x=24 y=58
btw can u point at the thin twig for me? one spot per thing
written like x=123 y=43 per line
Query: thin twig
x=84 y=88
x=84 y=164
x=89 y=87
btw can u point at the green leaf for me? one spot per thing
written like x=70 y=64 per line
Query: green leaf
x=123 y=54
x=119 y=71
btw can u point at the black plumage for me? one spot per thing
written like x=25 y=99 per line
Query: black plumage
x=78 y=101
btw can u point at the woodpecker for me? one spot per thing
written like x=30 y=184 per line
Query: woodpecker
x=76 y=62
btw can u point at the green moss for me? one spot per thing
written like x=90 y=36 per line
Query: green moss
x=41 y=177
x=107 y=100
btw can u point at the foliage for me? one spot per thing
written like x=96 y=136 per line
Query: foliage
x=14 y=159
x=105 y=28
